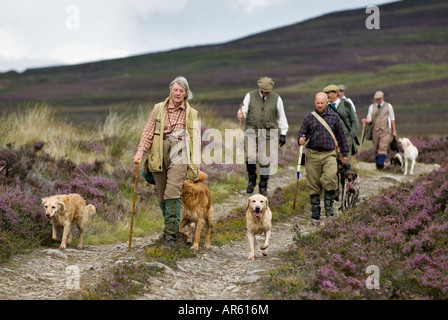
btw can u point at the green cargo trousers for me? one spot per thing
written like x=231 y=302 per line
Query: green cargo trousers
x=321 y=171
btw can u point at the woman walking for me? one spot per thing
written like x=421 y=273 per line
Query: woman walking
x=171 y=138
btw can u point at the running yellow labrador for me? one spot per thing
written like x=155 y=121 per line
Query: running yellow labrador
x=258 y=221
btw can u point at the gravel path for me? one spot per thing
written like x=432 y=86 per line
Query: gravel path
x=222 y=272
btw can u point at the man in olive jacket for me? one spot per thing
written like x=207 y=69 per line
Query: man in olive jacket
x=263 y=110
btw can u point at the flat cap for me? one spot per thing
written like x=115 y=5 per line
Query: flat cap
x=378 y=94
x=265 y=84
x=341 y=87
x=330 y=88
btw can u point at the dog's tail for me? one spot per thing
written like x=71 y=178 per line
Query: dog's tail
x=91 y=210
x=201 y=177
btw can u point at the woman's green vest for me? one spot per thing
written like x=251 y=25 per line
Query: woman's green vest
x=155 y=156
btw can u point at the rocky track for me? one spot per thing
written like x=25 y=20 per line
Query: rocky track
x=222 y=272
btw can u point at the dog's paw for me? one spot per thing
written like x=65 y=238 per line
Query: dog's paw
x=62 y=247
x=251 y=257
x=79 y=247
x=195 y=247
x=264 y=247
x=265 y=252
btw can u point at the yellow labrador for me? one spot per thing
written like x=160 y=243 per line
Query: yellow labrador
x=64 y=211
x=258 y=221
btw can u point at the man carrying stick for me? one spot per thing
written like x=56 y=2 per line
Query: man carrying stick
x=263 y=111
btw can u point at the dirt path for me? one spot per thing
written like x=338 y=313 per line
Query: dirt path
x=219 y=273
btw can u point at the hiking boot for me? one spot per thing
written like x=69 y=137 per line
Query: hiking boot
x=264 y=177
x=250 y=188
x=315 y=206
x=252 y=175
x=328 y=202
x=380 y=159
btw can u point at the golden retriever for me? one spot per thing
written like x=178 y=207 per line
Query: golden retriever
x=197 y=208
x=258 y=221
x=63 y=211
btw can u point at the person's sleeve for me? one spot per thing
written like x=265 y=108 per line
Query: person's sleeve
x=282 y=121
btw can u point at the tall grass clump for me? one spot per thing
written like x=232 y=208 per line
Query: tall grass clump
x=404 y=232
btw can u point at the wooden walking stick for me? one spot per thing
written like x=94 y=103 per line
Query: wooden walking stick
x=362 y=139
x=133 y=205
x=238 y=153
x=298 y=174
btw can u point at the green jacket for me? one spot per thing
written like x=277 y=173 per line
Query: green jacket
x=155 y=156
x=262 y=115
x=346 y=112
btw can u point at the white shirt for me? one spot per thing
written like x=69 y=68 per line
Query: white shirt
x=391 y=113
x=350 y=101
x=281 y=120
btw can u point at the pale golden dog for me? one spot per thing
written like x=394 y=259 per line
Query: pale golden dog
x=197 y=208
x=65 y=210
x=258 y=221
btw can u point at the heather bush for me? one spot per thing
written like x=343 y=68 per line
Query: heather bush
x=402 y=231
x=28 y=173
x=123 y=282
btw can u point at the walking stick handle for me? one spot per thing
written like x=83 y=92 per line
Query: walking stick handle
x=133 y=205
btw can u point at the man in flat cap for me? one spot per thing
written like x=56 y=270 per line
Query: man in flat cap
x=346 y=112
x=382 y=115
x=350 y=123
x=263 y=110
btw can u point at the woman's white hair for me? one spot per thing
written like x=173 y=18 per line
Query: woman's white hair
x=184 y=84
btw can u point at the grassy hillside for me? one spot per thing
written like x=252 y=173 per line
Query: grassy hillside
x=407 y=59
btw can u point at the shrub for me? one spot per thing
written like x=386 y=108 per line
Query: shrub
x=402 y=231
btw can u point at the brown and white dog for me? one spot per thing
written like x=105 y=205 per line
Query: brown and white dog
x=396 y=161
x=65 y=210
x=351 y=189
x=258 y=221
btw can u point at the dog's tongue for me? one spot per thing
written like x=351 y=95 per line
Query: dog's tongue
x=48 y=218
x=257 y=213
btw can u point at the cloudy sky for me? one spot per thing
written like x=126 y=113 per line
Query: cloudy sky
x=55 y=32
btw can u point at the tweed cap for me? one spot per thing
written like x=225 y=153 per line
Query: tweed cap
x=378 y=95
x=330 y=88
x=341 y=87
x=265 y=84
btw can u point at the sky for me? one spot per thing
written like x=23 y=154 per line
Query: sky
x=60 y=32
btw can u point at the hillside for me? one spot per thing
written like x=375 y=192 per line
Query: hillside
x=407 y=59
